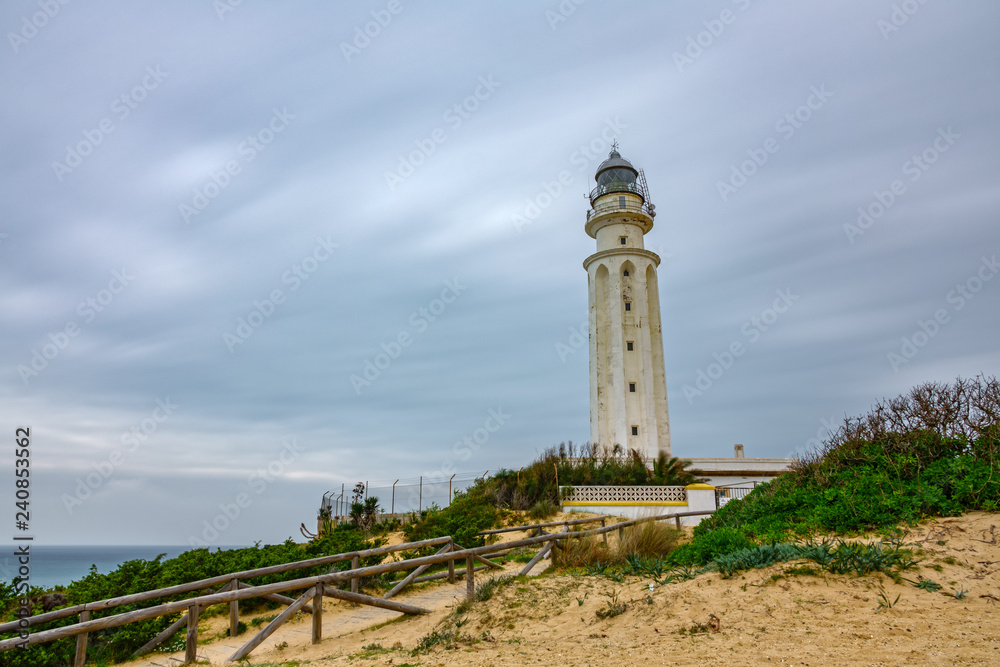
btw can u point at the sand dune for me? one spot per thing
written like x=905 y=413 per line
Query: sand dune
x=766 y=616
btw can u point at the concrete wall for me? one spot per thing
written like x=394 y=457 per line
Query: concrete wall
x=700 y=498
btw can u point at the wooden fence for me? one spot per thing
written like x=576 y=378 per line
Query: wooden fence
x=233 y=589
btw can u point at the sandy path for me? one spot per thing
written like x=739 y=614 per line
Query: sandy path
x=769 y=616
x=339 y=620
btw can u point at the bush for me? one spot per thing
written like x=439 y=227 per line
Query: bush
x=710 y=545
x=542 y=510
x=135 y=576
x=588 y=465
x=467 y=515
x=932 y=452
x=648 y=540
x=651 y=539
x=585 y=551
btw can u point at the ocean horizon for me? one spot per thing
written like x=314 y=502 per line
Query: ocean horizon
x=59 y=565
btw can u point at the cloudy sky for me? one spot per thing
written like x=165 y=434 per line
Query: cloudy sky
x=252 y=251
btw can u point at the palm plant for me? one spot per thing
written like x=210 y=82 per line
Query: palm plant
x=673 y=472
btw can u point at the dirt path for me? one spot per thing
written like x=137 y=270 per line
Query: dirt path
x=339 y=620
x=789 y=613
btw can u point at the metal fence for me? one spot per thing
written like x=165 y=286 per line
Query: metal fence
x=412 y=494
x=723 y=494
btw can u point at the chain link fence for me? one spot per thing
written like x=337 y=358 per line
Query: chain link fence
x=412 y=494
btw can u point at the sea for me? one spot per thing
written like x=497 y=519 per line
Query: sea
x=52 y=565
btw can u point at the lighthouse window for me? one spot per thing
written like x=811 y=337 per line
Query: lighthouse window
x=628 y=306
x=635 y=430
x=623 y=243
x=629 y=344
x=621 y=201
x=626 y=273
x=631 y=387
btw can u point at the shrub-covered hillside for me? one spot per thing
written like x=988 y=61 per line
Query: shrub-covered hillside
x=136 y=576
x=932 y=452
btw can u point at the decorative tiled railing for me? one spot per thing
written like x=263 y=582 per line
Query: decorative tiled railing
x=598 y=495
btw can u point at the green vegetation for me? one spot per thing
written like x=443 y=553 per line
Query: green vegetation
x=135 y=576
x=364 y=511
x=932 y=452
x=542 y=510
x=834 y=556
x=485 y=590
x=467 y=515
x=487 y=503
x=613 y=607
x=587 y=465
x=883 y=599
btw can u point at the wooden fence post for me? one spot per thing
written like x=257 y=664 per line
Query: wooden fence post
x=191 y=648
x=470 y=578
x=604 y=535
x=317 y=629
x=413 y=575
x=244 y=650
x=354 y=580
x=81 y=642
x=539 y=556
x=234 y=610
x=451 y=564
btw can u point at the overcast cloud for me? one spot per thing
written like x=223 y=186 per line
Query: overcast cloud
x=214 y=214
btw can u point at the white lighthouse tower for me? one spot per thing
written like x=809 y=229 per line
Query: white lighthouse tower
x=628 y=387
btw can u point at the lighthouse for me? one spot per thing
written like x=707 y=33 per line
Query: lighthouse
x=628 y=387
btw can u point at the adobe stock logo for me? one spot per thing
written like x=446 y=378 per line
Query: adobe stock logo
x=248 y=149
x=462 y=450
x=38 y=20
x=264 y=309
x=578 y=338
x=455 y=115
x=787 y=126
x=714 y=28
x=420 y=320
x=959 y=298
x=59 y=340
x=139 y=433
x=258 y=482
x=753 y=328
x=363 y=38
x=915 y=168
x=122 y=107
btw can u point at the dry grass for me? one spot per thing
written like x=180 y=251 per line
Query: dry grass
x=650 y=540
x=586 y=550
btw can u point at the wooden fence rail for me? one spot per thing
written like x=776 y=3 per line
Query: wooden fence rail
x=110 y=603
x=312 y=589
x=551 y=524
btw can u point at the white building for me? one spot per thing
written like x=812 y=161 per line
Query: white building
x=628 y=388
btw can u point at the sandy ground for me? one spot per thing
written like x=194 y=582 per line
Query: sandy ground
x=766 y=616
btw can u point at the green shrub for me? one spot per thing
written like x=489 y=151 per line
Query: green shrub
x=932 y=452
x=134 y=576
x=467 y=515
x=710 y=545
x=572 y=465
x=542 y=510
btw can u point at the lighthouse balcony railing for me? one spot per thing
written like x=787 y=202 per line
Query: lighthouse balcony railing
x=608 y=207
x=616 y=186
